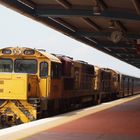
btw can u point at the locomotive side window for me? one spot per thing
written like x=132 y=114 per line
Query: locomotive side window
x=25 y=66
x=6 y=65
x=118 y=78
x=55 y=70
x=43 y=69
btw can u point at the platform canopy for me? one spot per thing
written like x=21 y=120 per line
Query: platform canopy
x=111 y=26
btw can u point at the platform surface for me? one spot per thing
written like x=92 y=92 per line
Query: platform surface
x=115 y=120
x=120 y=122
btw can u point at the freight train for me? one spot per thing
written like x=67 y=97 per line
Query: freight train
x=34 y=84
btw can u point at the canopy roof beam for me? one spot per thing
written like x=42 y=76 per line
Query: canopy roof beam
x=86 y=12
x=91 y=24
x=64 y=3
x=107 y=34
x=136 y=4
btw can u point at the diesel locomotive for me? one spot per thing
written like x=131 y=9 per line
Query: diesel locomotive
x=34 y=84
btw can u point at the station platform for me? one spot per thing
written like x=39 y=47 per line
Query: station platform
x=116 y=120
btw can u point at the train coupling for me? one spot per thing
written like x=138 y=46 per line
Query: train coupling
x=8 y=119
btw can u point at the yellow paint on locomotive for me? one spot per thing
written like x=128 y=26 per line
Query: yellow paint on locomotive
x=97 y=78
x=115 y=83
x=16 y=86
x=25 y=94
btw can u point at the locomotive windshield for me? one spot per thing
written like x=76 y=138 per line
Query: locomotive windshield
x=6 y=65
x=25 y=66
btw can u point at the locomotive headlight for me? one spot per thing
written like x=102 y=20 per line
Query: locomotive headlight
x=29 y=52
x=6 y=51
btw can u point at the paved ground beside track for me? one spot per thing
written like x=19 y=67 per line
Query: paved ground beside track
x=116 y=120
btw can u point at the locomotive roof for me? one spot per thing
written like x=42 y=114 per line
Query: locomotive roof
x=49 y=56
x=44 y=53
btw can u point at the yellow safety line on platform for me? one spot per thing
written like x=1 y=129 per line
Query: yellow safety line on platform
x=32 y=128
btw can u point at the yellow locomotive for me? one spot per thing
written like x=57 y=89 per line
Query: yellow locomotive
x=106 y=83
x=34 y=83
x=27 y=78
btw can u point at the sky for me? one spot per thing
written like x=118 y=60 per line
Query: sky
x=18 y=30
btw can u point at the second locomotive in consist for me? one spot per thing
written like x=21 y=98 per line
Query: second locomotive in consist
x=34 y=83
